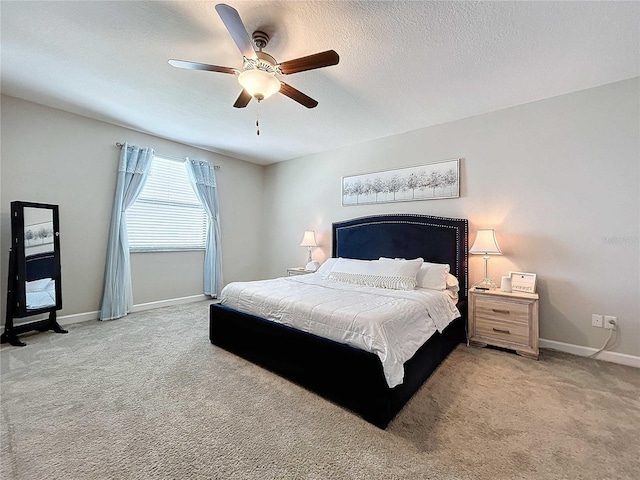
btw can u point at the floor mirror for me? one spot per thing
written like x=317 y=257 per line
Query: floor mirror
x=34 y=284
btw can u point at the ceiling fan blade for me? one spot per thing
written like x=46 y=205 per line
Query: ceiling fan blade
x=297 y=95
x=317 y=60
x=231 y=19
x=201 y=66
x=243 y=99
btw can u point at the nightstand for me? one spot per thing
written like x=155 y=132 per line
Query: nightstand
x=507 y=320
x=297 y=271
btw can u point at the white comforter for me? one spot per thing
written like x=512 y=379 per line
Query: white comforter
x=393 y=324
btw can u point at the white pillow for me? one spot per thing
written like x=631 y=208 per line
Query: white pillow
x=325 y=268
x=433 y=276
x=397 y=275
x=452 y=283
x=403 y=266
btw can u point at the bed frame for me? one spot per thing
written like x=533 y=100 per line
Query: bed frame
x=348 y=376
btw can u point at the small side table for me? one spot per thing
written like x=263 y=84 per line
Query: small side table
x=297 y=271
x=507 y=320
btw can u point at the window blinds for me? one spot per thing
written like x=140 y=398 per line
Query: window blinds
x=167 y=215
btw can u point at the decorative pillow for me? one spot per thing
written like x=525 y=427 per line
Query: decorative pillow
x=433 y=276
x=396 y=275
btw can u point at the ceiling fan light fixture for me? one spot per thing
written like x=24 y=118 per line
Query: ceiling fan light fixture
x=258 y=83
x=259 y=69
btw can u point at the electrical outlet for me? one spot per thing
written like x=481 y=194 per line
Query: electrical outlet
x=596 y=320
x=610 y=322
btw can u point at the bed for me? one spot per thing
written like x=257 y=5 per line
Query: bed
x=346 y=375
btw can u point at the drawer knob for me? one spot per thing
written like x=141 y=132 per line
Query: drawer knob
x=501 y=311
x=499 y=330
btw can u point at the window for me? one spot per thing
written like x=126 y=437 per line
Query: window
x=167 y=215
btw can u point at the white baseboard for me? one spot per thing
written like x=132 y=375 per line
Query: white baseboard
x=88 y=316
x=613 y=357
x=77 y=318
x=172 y=301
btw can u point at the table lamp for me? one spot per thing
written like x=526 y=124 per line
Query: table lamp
x=485 y=244
x=309 y=240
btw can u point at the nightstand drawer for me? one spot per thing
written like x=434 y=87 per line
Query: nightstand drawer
x=507 y=331
x=492 y=309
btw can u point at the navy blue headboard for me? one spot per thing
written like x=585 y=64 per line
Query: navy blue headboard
x=40 y=265
x=435 y=239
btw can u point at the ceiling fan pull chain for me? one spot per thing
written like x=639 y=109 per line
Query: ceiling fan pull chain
x=258 y=119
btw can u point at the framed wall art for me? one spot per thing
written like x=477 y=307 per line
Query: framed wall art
x=430 y=181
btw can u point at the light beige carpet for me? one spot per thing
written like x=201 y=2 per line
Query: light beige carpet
x=148 y=397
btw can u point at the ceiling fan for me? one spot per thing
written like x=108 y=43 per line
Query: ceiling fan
x=258 y=76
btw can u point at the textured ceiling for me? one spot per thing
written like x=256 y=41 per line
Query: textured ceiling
x=403 y=65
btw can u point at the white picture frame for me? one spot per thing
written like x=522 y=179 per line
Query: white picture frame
x=523 y=282
x=430 y=181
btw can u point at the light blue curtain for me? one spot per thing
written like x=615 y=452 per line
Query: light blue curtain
x=203 y=180
x=133 y=168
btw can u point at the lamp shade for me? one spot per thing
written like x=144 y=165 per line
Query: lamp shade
x=486 y=243
x=258 y=83
x=309 y=239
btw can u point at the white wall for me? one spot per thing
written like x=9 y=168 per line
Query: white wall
x=50 y=156
x=558 y=179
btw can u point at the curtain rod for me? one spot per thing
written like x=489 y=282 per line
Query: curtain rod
x=169 y=157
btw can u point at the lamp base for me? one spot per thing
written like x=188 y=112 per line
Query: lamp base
x=485 y=284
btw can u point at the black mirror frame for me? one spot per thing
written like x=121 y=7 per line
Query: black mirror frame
x=18 y=242
x=16 y=286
